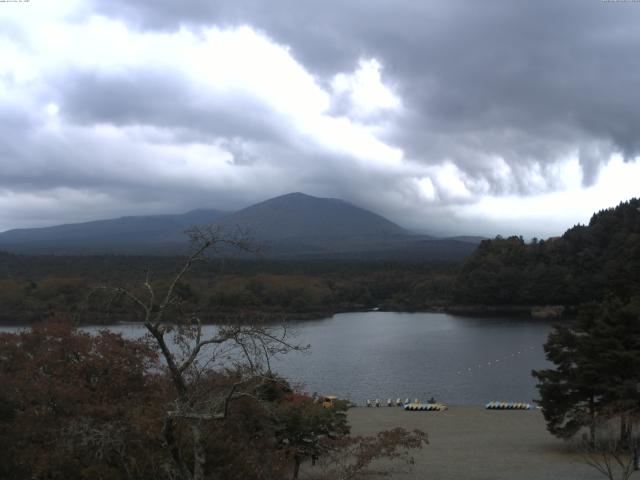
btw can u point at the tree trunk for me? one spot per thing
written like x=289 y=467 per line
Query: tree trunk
x=592 y=424
x=624 y=433
x=171 y=442
x=199 y=455
x=296 y=467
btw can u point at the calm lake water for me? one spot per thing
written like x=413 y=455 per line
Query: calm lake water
x=458 y=360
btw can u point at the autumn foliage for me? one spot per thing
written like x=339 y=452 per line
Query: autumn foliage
x=75 y=405
x=82 y=406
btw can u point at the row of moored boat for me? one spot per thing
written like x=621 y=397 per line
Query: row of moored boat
x=432 y=406
x=425 y=407
x=508 y=406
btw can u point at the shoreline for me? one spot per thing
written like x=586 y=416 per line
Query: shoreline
x=538 y=312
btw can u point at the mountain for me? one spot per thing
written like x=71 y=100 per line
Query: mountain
x=154 y=233
x=297 y=224
x=292 y=226
x=296 y=216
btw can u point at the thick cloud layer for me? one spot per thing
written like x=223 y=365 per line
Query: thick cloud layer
x=449 y=117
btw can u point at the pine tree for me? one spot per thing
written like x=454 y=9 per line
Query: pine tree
x=597 y=370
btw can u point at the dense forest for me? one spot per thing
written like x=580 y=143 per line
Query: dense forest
x=586 y=263
x=32 y=288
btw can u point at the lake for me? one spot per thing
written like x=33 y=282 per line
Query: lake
x=455 y=359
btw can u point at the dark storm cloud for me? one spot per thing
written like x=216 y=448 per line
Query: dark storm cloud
x=527 y=82
x=163 y=99
x=495 y=96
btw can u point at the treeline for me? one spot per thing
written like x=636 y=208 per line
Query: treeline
x=216 y=290
x=586 y=263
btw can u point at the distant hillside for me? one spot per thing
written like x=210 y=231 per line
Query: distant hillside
x=290 y=226
x=586 y=263
x=156 y=233
x=468 y=239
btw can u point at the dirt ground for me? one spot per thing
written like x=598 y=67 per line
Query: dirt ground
x=471 y=443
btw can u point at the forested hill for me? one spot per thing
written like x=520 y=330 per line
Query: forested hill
x=586 y=263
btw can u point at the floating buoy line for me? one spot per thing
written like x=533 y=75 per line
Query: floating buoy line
x=495 y=362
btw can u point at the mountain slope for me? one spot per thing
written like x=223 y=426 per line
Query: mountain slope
x=296 y=216
x=115 y=235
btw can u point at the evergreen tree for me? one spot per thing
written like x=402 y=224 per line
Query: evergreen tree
x=587 y=263
x=597 y=370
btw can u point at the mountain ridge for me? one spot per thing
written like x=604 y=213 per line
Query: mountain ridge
x=291 y=225
x=115 y=232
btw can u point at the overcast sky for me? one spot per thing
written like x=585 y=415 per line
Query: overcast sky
x=451 y=117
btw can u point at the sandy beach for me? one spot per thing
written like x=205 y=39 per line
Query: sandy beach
x=471 y=443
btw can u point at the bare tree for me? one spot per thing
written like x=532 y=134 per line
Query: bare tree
x=352 y=457
x=615 y=453
x=191 y=351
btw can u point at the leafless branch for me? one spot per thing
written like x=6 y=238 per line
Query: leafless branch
x=614 y=457
x=196 y=402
